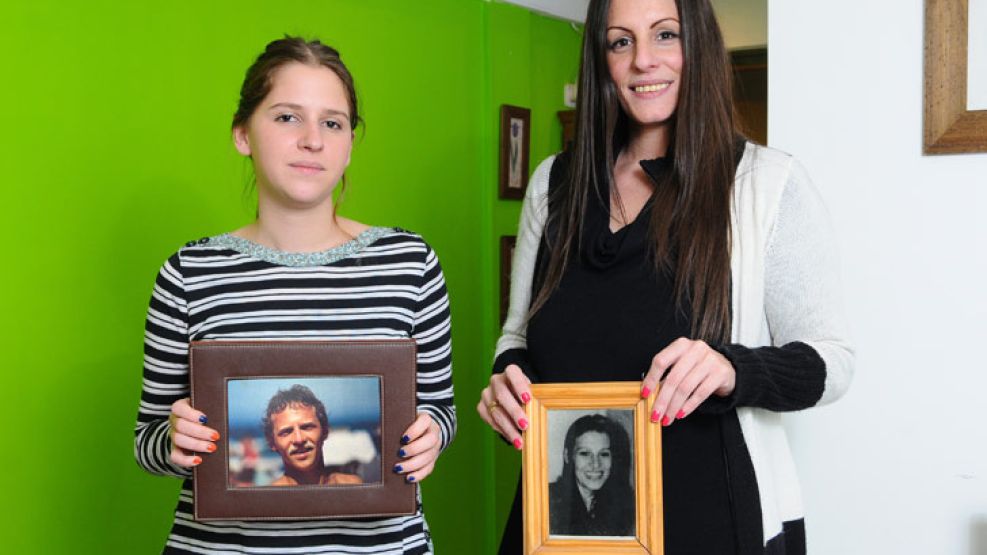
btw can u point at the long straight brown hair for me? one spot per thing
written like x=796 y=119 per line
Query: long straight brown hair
x=690 y=215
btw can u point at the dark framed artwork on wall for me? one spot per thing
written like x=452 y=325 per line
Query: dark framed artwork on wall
x=308 y=429
x=515 y=141
x=592 y=471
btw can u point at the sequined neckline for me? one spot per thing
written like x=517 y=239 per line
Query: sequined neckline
x=298 y=259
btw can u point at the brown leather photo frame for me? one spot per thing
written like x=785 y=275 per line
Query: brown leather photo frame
x=308 y=429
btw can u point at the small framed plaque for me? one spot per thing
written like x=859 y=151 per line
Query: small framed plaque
x=592 y=471
x=515 y=141
x=308 y=429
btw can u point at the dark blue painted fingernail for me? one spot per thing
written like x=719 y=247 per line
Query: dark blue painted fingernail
x=397 y=468
x=405 y=439
x=203 y=419
x=401 y=453
x=411 y=478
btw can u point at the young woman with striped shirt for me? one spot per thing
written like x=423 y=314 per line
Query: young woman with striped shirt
x=298 y=272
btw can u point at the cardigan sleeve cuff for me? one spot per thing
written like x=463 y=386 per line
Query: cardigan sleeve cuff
x=787 y=378
x=518 y=357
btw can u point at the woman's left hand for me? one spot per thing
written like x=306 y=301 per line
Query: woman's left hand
x=697 y=371
x=422 y=442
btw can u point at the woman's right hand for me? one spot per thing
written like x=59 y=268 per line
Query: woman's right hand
x=188 y=434
x=501 y=404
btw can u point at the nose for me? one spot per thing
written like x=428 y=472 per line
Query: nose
x=644 y=56
x=311 y=137
x=297 y=437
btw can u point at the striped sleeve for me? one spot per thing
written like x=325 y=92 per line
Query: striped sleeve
x=432 y=334
x=165 y=370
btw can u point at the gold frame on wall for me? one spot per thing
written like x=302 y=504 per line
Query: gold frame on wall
x=949 y=126
x=647 y=468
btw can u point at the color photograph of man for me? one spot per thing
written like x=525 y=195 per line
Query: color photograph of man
x=296 y=426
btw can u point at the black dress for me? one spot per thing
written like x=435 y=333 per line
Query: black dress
x=610 y=315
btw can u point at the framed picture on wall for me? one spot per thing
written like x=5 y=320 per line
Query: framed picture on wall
x=307 y=429
x=515 y=140
x=592 y=470
x=507 y=244
x=951 y=125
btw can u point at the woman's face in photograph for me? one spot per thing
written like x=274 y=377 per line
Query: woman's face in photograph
x=592 y=459
x=644 y=54
x=300 y=136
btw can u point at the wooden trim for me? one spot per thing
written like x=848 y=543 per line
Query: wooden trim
x=949 y=126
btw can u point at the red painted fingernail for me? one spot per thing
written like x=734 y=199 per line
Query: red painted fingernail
x=523 y=424
x=655 y=417
x=517 y=443
x=525 y=397
x=645 y=392
x=215 y=436
x=196 y=461
x=680 y=415
x=211 y=448
x=666 y=421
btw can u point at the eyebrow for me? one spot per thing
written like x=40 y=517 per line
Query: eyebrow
x=653 y=25
x=299 y=107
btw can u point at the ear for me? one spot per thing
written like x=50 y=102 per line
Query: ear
x=241 y=141
x=565 y=456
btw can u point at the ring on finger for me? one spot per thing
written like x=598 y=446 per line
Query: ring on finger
x=492 y=405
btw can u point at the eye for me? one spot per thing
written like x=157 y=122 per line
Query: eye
x=284 y=432
x=605 y=454
x=619 y=44
x=667 y=35
x=286 y=118
x=333 y=124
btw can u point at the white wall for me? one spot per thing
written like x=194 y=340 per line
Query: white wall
x=899 y=466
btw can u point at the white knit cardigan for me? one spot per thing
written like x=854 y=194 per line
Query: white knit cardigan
x=785 y=287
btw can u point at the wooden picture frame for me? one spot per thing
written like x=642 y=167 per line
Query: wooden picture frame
x=515 y=142
x=507 y=244
x=949 y=126
x=557 y=413
x=365 y=388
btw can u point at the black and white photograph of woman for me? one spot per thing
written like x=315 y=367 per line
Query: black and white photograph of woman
x=593 y=493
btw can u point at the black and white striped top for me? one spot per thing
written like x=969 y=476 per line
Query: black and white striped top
x=385 y=283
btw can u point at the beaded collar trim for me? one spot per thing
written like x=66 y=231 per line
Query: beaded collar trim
x=298 y=259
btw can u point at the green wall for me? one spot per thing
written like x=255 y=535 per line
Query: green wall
x=115 y=151
x=532 y=57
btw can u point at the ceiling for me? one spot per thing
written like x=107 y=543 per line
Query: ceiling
x=744 y=22
x=571 y=10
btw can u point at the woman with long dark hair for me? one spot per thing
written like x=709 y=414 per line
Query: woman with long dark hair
x=593 y=494
x=664 y=247
x=297 y=272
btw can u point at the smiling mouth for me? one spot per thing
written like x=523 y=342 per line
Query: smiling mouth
x=650 y=88
x=593 y=475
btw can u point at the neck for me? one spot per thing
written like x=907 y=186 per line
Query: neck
x=647 y=142
x=587 y=496
x=292 y=230
x=313 y=476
